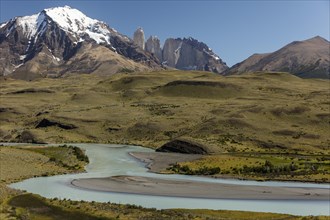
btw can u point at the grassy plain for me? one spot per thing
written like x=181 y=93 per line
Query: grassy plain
x=242 y=120
x=18 y=163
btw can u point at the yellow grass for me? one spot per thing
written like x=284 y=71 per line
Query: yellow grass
x=255 y=112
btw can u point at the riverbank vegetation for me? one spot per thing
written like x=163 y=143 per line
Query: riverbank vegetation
x=297 y=167
x=30 y=206
x=67 y=156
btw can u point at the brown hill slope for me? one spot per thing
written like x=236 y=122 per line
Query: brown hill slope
x=307 y=59
x=260 y=111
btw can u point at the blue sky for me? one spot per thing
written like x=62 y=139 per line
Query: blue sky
x=233 y=29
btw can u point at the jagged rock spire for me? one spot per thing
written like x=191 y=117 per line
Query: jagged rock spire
x=139 y=37
x=153 y=46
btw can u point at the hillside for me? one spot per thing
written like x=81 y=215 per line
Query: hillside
x=252 y=112
x=63 y=40
x=306 y=59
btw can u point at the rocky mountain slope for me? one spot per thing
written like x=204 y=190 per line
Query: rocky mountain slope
x=183 y=54
x=307 y=59
x=63 y=40
x=190 y=54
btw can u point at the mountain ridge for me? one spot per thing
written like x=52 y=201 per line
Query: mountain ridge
x=53 y=43
x=49 y=40
x=307 y=59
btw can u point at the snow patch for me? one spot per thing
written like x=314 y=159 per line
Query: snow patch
x=22 y=57
x=56 y=58
x=19 y=65
x=215 y=57
x=211 y=53
x=177 y=53
x=28 y=24
x=99 y=38
x=3 y=24
x=28 y=46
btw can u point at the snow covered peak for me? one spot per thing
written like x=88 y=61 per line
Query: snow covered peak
x=68 y=19
x=77 y=23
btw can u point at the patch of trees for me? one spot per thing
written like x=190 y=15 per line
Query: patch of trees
x=80 y=154
x=267 y=168
x=184 y=169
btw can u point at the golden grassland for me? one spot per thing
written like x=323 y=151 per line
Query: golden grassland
x=248 y=119
x=18 y=163
x=256 y=112
x=30 y=161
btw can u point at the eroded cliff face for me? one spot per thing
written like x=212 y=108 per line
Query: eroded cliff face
x=153 y=46
x=183 y=54
x=171 y=52
x=190 y=54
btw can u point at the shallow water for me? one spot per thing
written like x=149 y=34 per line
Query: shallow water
x=109 y=160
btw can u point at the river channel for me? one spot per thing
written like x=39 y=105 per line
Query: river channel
x=110 y=160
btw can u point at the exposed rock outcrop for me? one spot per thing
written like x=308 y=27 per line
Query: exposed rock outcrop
x=138 y=38
x=190 y=54
x=47 y=123
x=153 y=46
x=63 y=40
x=184 y=147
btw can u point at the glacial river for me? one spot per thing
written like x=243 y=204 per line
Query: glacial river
x=109 y=160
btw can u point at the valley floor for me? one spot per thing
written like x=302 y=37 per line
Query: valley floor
x=20 y=205
x=263 y=126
